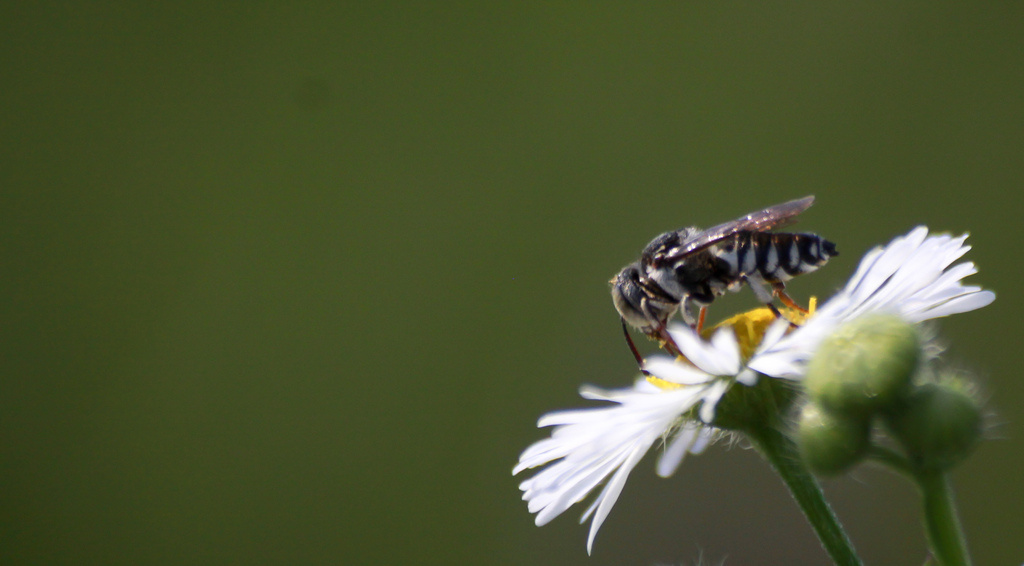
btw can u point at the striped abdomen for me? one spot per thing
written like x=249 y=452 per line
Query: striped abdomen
x=775 y=257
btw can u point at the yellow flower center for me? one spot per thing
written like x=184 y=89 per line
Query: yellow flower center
x=751 y=325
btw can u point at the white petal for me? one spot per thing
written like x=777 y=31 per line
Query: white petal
x=720 y=356
x=704 y=439
x=747 y=377
x=684 y=440
x=589 y=446
x=877 y=268
x=675 y=371
x=610 y=494
x=714 y=393
x=961 y=304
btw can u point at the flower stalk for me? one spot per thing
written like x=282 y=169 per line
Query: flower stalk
x=942 y=523
x=781 y=452
x=945 y=535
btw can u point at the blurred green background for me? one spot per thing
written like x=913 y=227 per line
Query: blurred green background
x=291 y=284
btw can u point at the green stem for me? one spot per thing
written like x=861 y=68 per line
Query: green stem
x=942 y=525
x=781 y=451
x=945 y=534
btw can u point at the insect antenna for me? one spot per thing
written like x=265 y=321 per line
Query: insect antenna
x=632 y=348
x=667 y=343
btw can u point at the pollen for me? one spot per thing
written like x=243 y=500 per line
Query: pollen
x=662 y=384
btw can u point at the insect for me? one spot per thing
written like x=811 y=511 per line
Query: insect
x=690 y=267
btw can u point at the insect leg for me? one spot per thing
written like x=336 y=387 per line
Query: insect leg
x=686 y=311
x=757 y=286
x=660 y=332
x=765 y=296
x=700 y=319
x=668 y=343
x=779 y=290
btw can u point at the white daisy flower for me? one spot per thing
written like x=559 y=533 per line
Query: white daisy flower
x=677 y=404
x=911 y=277
x=591 y=445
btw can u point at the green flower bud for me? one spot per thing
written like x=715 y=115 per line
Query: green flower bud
x=938 y=425
x=830 y=443
x=865 y=364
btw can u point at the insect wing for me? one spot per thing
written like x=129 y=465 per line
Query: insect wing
x=762 y=220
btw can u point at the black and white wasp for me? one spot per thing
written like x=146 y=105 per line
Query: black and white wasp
x=689 y=267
